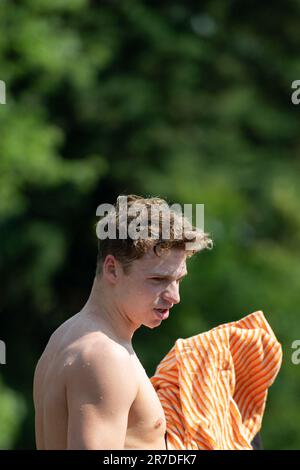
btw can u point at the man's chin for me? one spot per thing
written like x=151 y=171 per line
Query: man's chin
x=156 y=319
x=153 y=324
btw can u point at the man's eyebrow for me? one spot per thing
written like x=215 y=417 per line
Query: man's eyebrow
x=167 y=276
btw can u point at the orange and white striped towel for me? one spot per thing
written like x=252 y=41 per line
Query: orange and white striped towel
x=213 y=386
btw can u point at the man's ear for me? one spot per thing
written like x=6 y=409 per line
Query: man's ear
x=111 y=269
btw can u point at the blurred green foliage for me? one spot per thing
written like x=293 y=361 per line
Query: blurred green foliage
x=190 y=101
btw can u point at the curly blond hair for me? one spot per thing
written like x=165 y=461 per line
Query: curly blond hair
x=180 y=234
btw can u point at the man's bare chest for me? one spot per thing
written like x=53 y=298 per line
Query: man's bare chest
x=146 y=416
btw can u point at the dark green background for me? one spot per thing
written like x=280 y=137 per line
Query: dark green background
x=190 y=101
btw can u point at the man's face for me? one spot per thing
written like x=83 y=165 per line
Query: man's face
x=151 y=288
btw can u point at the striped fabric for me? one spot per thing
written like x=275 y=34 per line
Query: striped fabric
x=213 y=386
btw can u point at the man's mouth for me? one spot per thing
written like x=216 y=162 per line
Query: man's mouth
x=162 y=313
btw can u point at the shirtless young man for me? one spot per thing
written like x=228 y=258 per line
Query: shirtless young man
x=90 y=389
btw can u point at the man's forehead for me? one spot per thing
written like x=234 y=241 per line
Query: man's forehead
x=171 y=262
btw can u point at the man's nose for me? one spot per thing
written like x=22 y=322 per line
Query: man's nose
x=171 y=294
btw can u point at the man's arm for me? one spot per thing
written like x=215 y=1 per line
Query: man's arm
x=100 y=391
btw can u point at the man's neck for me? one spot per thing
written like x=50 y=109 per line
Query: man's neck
x=102 y=309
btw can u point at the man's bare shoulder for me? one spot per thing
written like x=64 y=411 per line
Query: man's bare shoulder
x=97 y=345
x=98 y=357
